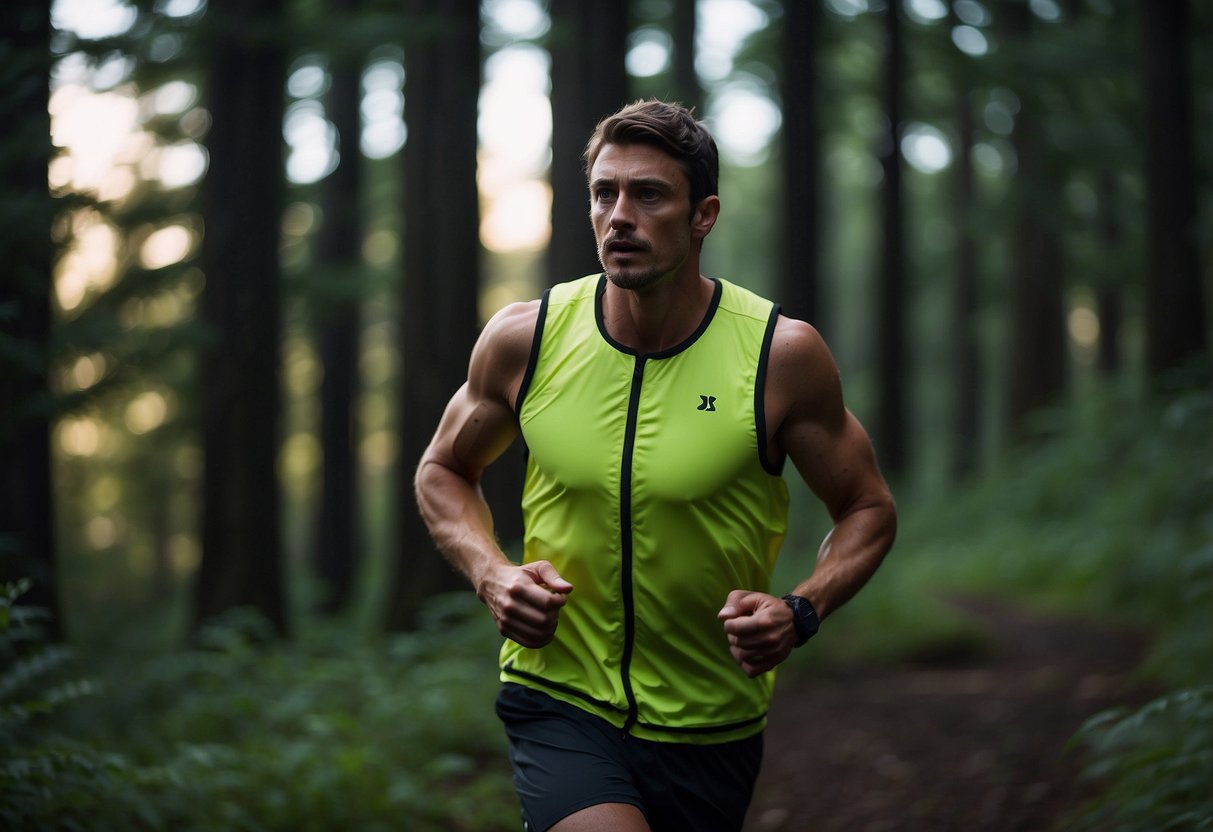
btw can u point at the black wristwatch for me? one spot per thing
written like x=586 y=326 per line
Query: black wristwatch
x=804 y=617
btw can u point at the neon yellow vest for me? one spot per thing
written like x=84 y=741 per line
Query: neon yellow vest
x=646 y=489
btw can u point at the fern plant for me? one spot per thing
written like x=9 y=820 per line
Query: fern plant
x=29 y=669
x=32 y=685
x=1157 y=763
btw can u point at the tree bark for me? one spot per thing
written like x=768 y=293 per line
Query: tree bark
x=242 y=207
x=589 y=81
x=1109 y=305
x=1038 y=357
x=27 y=409
x=1175 y=306
x=687 y=89
x=965 y=347
x=441 y=266
x=338 y=253
x=891 y=427
x=797 y=282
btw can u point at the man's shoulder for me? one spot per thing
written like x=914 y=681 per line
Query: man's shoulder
x=514 y=321
x=802 y=375
x=798 y=341
x=504 y=346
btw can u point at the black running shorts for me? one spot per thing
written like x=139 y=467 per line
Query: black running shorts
x=566 y=759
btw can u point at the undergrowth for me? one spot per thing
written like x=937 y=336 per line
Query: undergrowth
x=1156 y=765
x=244 y=735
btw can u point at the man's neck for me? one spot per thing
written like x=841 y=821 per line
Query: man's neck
x=659 y=317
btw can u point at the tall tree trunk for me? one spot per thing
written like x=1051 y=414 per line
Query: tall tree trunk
x=1109 y=307
x=1175 y=306
x=965 y=347
x=441 y=265
x=589 y=81
x=797 y=282
x=891 y=427
x=27 y=540
x=1038 y=357
x=338 y=253
x=242 y=209
x=687 y=88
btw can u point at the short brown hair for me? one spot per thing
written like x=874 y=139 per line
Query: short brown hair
x=671 y=128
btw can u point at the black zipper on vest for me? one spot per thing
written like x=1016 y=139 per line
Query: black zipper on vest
x=625 y=527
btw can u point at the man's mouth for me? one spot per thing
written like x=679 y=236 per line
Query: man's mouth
x=623 y=247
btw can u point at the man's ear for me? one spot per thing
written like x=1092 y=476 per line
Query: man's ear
x=704 y=216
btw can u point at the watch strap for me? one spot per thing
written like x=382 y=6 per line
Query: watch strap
x=804 y=617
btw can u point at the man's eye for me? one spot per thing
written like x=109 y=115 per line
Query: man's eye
x=649 y=195
x=604 y=194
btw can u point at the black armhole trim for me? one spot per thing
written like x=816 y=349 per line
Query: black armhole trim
x=533 y=360
x=760 y=387
x=571 y=691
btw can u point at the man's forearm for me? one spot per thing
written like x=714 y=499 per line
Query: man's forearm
x=849 y=555
x=459 y=520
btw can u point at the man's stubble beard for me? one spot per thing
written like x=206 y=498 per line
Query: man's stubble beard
x=640 y=278
x=633 y=279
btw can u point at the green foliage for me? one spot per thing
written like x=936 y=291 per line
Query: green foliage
x=249 y=734
x=1157 y=763
x=32 y=686
x=31 y=673
x=1110 y=516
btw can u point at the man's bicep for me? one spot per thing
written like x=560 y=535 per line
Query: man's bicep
x=824 y=440
x=473 y=432
x=479 y=422
x=835 y=459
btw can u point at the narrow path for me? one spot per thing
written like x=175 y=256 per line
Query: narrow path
x=965 y=747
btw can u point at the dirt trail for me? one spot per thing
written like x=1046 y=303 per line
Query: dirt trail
x=973 y=746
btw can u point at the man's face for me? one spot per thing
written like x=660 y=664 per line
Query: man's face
x=640 y=210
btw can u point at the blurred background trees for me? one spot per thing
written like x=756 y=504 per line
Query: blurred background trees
x=441 y=263
x=274 y=228
x=27 y=411
x=278 y=226
x=240 y=204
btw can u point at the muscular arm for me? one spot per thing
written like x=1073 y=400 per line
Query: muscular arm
x=831 y=451
x=834 y=456
x=476 y=428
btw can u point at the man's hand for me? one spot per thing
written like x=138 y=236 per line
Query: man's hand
x=525 y=600
x=760 y=630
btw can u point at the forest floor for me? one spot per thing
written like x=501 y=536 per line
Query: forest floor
x=974 y=743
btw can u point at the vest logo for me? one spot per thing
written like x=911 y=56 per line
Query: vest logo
x=707 y=403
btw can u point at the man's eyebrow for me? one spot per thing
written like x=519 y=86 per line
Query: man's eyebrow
x=640 y=182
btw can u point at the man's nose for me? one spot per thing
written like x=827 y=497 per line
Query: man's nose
x=621 y=213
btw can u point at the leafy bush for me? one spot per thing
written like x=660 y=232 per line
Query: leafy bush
x=30 y=673
x=1157 y=764
x=244 y=735
x=32 y=686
